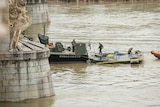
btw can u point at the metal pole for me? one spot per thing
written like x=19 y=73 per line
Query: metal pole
x=44 y=30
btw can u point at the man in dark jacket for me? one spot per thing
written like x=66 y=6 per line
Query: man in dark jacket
x=100 y=48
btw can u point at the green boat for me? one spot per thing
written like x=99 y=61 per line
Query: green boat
x=60 y=53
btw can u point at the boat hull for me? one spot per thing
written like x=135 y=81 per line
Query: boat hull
x=120 y=58
x=67 y=58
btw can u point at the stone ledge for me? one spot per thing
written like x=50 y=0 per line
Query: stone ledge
x=26 y=50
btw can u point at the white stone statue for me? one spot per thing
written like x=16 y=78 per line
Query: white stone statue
x=18 y=21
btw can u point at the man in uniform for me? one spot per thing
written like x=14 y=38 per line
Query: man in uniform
x=100 y=48
x=73 y=45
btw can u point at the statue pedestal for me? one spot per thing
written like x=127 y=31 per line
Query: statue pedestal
x=25 y=73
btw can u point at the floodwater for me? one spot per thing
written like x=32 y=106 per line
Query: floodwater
x=118 y=26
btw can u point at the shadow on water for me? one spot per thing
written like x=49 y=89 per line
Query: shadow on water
x=42 y=102
x=73 y=67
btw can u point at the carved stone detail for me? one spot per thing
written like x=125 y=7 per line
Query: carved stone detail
x=18 y=21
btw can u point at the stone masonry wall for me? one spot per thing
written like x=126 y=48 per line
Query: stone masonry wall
x=25 y=79
x=25 y=74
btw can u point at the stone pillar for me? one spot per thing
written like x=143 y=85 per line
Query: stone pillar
x=4 y=26
x=39 y=13
x=25 y=74
x=24 y=71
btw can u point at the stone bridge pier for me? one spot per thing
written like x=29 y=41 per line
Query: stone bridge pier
x=38 y=10
x=24 y=70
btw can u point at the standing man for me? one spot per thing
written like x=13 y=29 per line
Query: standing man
x=100 y=48
x=73 y=45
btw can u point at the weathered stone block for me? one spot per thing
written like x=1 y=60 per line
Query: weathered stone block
x=43 y=62
x=11 y=70
x=5 y=83
x=32 y=69
x=41 y=55
x=33 y=94
x=14 y=83
x=23 y=88
x=45 y=80
x=2 y=89
x=14 y=96
x=44 y=74
x=32 y=75
x=38 y=68
x=23 y=82
x=23 y=95
x=2 y=77
x=23 y=70
x=41 y=93
x=11 y=64
x=22 y=64
x=35 y=62
x=51 y=91
x=45 y=68
x=27 y=56
x=50 y=78
x=3 y=96
x=30 y=63
x=23 y=76
x=46 y=86
x=32 y=87
x=38 y=75
x=9 y=77
x=46 y=92
x=12 y=89
x=40 y=86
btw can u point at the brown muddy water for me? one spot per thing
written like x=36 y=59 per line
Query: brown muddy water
x=118 y=26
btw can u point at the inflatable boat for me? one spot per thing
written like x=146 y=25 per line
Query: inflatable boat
x=156 y=54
